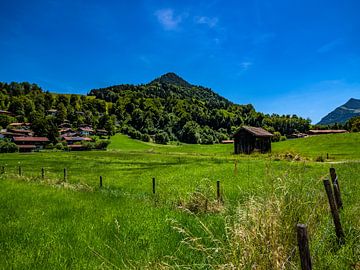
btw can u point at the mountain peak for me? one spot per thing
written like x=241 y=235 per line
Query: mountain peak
x=171 y=78
x=343 y=113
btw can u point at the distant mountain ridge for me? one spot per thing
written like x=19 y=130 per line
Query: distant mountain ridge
x=343 y=113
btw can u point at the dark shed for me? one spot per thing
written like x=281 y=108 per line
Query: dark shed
x=247 y=139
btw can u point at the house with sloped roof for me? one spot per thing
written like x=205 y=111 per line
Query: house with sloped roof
x=249 y=139
x=28 y=144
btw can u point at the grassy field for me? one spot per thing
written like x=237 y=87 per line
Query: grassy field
x=52 y=223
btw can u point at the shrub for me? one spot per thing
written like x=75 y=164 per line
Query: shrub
x=59 y=146
x=162 y=138
x=145 y=138
x=276 y=137
x=102 y=145
x=8 y=147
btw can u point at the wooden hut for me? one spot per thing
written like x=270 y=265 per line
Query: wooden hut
x=248 y=139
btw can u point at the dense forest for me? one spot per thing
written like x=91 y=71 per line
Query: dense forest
x=166 y=109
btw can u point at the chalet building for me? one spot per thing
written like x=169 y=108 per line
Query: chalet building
x=326 y=131
x=28 y=144
x=72 y=140
x=86 y=131
x=22 y=132
x=248 y=139
x=2 y=112
x=20 y=125
x=101 y=132
x=52 y=112
x=65 y=131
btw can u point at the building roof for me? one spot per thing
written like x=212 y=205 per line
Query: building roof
x=25 y=131
x=326 y=131
x=256 y=131
x=19 y=124
x=227 y=141
x=30 y=139
x=86 y=129
x=28 y=146
x=75 y=146
x=76 y=139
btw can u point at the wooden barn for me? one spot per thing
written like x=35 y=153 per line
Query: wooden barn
x=248 y=139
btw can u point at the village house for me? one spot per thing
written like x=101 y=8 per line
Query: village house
x=86 y=131
x=73 y=140
x=248 y=139
x=28 y=144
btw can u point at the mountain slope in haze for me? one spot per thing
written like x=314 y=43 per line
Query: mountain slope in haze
x=343 y=113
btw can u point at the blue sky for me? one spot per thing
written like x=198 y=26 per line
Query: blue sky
x=287 y=57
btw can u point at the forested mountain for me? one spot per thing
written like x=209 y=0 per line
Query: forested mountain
x=168 y=108
x=172 y=108
x=343 y=113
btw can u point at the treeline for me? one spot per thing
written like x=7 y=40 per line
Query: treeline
x=158 y=111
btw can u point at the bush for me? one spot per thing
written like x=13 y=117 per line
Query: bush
x=276 y=137
x=101 y=145
x=145 y=138
x=162 y=138
x=59 y=146
x=8 y=147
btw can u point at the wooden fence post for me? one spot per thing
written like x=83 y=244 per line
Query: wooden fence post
x=235 y=167
x=42 y=173
x=65 y=174
x=218 y=196
x=303 y=244
x=334 y=211
x=153 y=185
x=101 y=181
x=337 y=194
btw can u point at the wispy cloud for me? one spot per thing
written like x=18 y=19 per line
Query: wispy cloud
x=167 y=18
x=330 y=46
x=210 y=22
x=245 y=65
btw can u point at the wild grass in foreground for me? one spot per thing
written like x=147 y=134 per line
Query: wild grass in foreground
x=55 y=224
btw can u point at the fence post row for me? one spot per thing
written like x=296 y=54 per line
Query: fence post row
x=101 y=182
x=334 y=211
x=42 y=173
x=303 y=244
x=336 y=186
x=19 y=170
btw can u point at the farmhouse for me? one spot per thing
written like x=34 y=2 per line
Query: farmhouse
x=248 y=139
x=27 y=144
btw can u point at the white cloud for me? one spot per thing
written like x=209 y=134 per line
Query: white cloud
x=245 y=65
x=167 y=18
x=210 y=22
x=330 y=46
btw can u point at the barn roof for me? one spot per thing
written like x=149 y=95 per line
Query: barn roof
x=257 y=131
x=30 y=139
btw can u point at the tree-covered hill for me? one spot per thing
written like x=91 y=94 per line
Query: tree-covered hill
x=166 y=109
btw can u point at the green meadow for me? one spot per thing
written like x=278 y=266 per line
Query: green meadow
x=55 y=223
